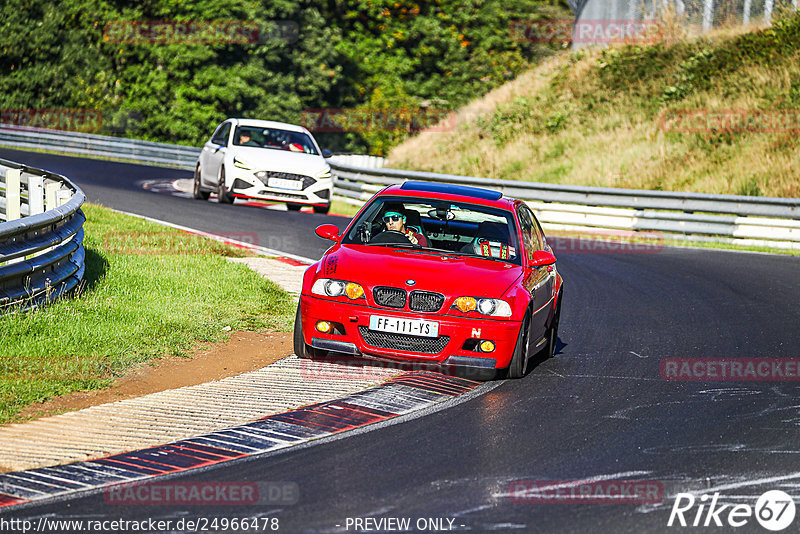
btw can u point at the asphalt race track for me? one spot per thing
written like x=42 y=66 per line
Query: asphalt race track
x=118 y=185
x=599 y=411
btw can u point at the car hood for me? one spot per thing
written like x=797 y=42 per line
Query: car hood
x=450 y=275
x=267 y=159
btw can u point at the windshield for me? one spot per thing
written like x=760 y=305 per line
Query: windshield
x=436 y=225
x=273 y=138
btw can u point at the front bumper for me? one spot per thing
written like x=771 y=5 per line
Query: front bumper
x=246 y=185
x=354 y=320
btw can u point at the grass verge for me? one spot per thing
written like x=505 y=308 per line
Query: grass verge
x=715 y=114
x=148 y=291
x=340 y=207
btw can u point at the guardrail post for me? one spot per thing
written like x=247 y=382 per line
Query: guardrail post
x=63 y=196
x=708 y=14
x=35 y=195
x=51 y=194
x=12 y=194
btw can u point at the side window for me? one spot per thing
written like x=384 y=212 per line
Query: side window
x=538 y=229
x=221 y=133
x=528 y=233
x=226 y=130
x=218 y=131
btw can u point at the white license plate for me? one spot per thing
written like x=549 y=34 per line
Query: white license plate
x=396 y=325
x=282 y=183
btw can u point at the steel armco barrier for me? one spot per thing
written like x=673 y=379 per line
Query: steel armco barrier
x=754 y=221
x=745 y=220
x=41 y=236
x=146 y=152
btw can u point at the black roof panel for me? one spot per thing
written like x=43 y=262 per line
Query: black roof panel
x=452 y=189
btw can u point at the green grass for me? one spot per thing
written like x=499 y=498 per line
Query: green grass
x=148 y=291
x=340 y=207
x=598 y=116
x=729 y=246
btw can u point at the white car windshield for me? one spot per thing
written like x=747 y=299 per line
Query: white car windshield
x=273 y=138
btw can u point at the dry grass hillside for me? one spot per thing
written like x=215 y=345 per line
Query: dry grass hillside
x=717 y=114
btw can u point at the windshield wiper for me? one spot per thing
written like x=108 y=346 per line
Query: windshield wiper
x=400 y=245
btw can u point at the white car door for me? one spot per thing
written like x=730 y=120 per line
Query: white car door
x=213 y=155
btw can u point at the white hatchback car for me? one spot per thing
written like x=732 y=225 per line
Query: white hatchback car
x=264 y=160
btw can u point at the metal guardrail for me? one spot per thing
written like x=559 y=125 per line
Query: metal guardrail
x=359 y=160
x=41 y=236
x=146 y=152
x=755 y=221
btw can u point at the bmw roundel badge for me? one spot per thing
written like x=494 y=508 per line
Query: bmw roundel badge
x=411 y=282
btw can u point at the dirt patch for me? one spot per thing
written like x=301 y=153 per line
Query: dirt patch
x=243 y=352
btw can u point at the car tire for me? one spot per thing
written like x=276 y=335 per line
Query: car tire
x=519 y=361
x=552 y=336
x=198 y=193
x=301 y=349
x=322 y=209
x=294 y=207
x=223 y=195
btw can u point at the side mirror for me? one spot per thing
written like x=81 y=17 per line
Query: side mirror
x=542 y=257
x=219 y=141
x=329 y=231
x=326 y=153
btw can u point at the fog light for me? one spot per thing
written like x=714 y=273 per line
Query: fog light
x=487 y=346
x=323 y=326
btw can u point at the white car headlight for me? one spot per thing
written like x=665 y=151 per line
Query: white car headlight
x=240 y=164
x=486 y=306
x=336 y=288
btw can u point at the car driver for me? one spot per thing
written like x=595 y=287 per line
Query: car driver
x=245 y=139
x=397 y=222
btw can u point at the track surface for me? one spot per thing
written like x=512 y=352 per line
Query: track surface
x=599 y=409
x=118 y=185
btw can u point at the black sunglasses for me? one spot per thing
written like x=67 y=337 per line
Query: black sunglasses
x=392 y=218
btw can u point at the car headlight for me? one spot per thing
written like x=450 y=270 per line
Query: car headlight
x=490 y=307
x=326 y=174
x=240 y=164
x=336 y=288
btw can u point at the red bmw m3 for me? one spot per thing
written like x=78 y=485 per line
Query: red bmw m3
x=456 y=277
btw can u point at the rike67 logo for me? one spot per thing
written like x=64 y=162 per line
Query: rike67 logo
x=774 y=510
